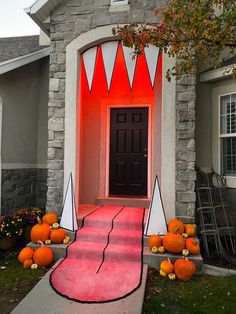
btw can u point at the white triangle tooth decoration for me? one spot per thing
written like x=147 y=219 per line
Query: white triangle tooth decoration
x=109 y=52
x=130 y=63
x=156 y=220
x=68 y=217
x=151 y=54
x=89 y=58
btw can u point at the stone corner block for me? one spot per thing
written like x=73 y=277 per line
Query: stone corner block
x=54 y=84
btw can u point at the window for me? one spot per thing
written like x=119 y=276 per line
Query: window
x=119 y=2
x=228 y=134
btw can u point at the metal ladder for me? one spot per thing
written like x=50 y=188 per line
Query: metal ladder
x=212 y=214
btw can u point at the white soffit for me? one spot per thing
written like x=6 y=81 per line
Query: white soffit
x=15 y=63
x=156 y=220
x=130 y=63
x=152 y=54
x=217 y=74
x=89 y=58
x=109 y=52
x=68 y=217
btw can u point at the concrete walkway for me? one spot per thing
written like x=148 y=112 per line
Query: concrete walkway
x=43 y=299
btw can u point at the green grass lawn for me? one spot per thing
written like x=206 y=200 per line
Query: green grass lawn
x=15 y=283
x=203 y=294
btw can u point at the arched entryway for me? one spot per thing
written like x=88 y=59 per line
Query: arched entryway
x=159 y=102
x=116 y=103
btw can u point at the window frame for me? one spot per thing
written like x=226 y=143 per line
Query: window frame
x=224 y=135
x=121 y=2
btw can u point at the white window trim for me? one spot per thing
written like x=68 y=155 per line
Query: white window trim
x=231 y=180
x=115 y=2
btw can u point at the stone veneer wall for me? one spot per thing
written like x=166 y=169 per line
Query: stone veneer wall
x=68 y=22
x=23 y=188
x=185 y=148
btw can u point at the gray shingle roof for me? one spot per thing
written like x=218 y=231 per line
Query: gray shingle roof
x=13 y=47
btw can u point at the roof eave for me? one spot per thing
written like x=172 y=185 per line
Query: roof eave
x=15 y=63
x=39 y=12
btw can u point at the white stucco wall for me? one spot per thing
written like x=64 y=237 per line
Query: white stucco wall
x=24 y=129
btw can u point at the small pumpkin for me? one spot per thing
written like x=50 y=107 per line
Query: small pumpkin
x=50 y=218
x=27 y=263
x=66 y=241
x=162 y=273
x=184 y=269
x=154 y=250
x=40 y=232
x=161 y=249
x=185 y=235
x=193 y=246
x=48 y=242
x=154 y=240
x=25 y=253
x=34 y=266
x=172 y=276
x=55 y=225
x=57 y=235
x=173 y=242
x=166 y=266
x=185 y=252
x=43 y=255
x=190 y=230
x=176 y=225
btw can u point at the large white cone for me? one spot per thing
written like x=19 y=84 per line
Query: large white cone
x=68 y=216
x=89 y=58
x=156 y=220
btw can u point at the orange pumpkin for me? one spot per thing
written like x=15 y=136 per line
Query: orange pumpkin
x=154 y=240
x=176 y=226
x=57 y=235
x=193 y=246
x=40 y=232
x=166 y=266
x=25 y=253
x=184 y=269
x=27 y=263
x=43 y=256
x=50 y=218
x=173 y=242
x=190 y=230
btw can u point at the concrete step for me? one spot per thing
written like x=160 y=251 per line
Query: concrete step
x=123 y=201
x=43 y=299
x=149 y=258
x=154 y=260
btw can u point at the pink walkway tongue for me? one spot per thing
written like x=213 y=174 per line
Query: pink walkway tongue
x=105 y=261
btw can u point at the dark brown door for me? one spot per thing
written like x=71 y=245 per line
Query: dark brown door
x=128 y=152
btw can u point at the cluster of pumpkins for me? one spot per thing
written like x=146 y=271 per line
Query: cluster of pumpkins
x=44 y=233
x=182 y=268
x=180 y=239
x=40 y=257
x=48 y=230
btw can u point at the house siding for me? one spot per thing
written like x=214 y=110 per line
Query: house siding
x=23 y=188
x=24 y=93
x=68 y=22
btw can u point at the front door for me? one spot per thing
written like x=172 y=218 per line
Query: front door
x=128 y=152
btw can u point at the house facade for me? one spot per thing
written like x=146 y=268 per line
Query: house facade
x=24 y=68
x=115 y=122
x=83 y=108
